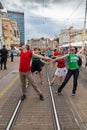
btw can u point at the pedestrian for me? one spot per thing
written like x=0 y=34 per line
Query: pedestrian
x=61 y=68
x=25 y=70
x=12 y=54
x=4 y=55
x=73 y=70
x=49 y=52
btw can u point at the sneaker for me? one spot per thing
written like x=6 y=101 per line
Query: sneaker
x=36 y=72
x=27 y=84
x=23 y=97
x=41 y=97
x=58 y=93
x=73 y=94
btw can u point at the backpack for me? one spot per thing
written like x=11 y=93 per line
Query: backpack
x=80 y=62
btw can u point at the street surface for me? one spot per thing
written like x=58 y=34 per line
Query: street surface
x=38 y=115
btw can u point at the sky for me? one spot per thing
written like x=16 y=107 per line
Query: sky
x=46 y=18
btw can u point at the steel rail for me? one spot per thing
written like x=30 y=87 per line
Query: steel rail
x=13 y=116
x=14 y=113
x=19 y=104
x=53 y=104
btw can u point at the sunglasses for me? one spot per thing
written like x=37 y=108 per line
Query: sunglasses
x=72 y=50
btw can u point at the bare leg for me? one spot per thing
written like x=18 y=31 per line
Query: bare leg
x=41 y=75
x=60 y=80
x=52 y=81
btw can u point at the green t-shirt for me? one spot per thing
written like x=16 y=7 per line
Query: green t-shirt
x=35 y=58
x=73 y=61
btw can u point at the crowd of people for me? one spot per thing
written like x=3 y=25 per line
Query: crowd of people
x=66 y=61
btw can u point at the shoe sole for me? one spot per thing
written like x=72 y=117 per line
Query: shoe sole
x=57 y=93
x=73 y=94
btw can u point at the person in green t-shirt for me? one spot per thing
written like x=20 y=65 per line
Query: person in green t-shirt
x=73 y=70
x=37 y=65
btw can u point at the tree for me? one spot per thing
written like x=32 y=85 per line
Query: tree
x=56 y=39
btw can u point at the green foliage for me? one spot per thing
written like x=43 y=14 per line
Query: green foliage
x=57 y=39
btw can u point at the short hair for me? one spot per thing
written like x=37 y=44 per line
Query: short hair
x=3 y=45
x=35 y=49
x=28 y=47
x=76 y=49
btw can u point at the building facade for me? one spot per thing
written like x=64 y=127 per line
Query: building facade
x=19 y=18
x=42 y=43
x=37 y=43
x=10 y=32
x=71 y=35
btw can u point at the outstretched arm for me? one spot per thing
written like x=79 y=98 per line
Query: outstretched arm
x=17 y=50
x=80 y=50
x=60 y=57
x=41 y=57
x=44 y=61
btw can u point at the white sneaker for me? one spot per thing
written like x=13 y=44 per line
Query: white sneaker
x=73 y=94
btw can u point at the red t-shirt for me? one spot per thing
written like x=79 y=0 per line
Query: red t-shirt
x=25 y=59
x=56 y=53
x=61 y=63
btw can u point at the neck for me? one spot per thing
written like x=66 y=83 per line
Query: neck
x=24 y=50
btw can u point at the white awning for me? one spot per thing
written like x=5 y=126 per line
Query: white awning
x=77 y=44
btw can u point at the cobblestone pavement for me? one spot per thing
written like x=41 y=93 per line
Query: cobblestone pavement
x=38 y=115
x=75 y=107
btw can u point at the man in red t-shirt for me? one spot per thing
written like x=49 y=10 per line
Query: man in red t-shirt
x=25 y=70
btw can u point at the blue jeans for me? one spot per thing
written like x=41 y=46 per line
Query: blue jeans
x=75 y=74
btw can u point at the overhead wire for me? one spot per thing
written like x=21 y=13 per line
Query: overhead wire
x=67 y=19
x=72 y=13
x=43 y=12
x=46 y=18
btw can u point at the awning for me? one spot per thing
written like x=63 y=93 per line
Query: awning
x=77 y=44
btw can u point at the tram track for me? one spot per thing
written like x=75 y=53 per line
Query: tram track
x=63 y=112
x=14 y=116
x=76 y=115
x=16 y=112
x=53 y=105
x=71 y=111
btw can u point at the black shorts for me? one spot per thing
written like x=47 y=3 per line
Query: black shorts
x=42 y=64
x=36 y=66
